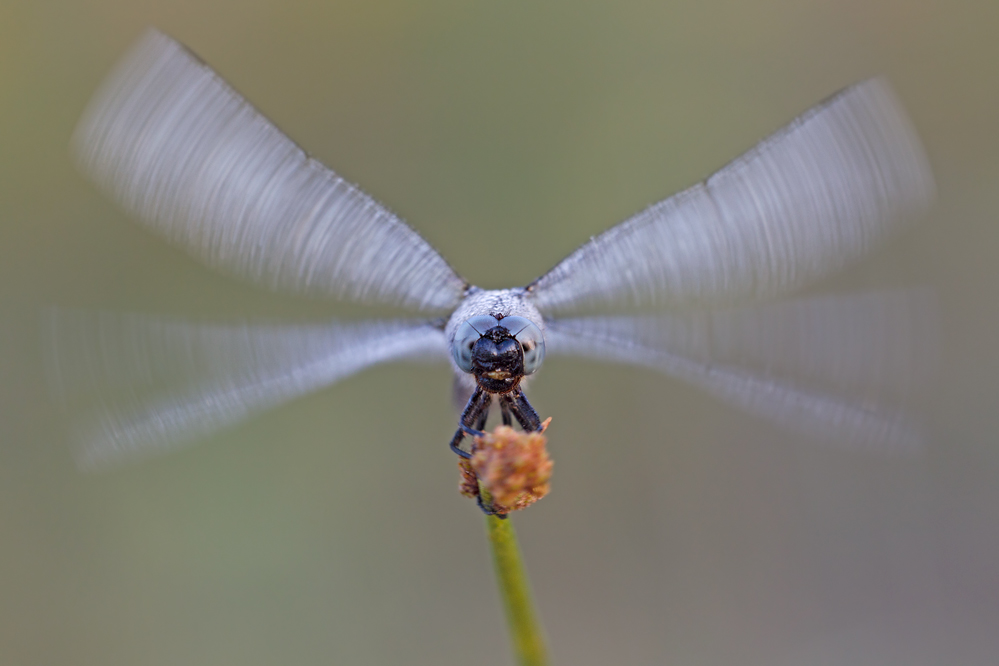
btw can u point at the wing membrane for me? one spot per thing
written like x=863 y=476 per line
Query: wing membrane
x=184 y=152
x=811 y=198
x=840 y=368
x=146 y=384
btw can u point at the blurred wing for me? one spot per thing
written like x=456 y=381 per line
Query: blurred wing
x=147 y=384
x=180 y=149
x=811 y=198
x=835 y=367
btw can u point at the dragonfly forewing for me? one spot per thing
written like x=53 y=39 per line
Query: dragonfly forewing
x=177 y=147
x=805 y=202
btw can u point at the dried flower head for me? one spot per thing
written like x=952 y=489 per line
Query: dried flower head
x=512 y=468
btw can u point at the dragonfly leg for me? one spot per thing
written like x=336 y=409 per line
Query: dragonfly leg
x=505 y=410
x=481 y=423
x=521 y=410
x=456 y=440
x=488 y=510
x=477 y=409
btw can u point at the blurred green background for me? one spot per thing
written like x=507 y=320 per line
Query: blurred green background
x=330 y=531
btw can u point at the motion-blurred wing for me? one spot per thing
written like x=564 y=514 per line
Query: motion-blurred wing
x=803 y=203
x=147 y=384
x=838 y=367
x=180 y=149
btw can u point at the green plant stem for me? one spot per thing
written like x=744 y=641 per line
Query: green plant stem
x=525 y=630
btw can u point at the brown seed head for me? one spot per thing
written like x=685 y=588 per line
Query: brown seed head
x=512 y=467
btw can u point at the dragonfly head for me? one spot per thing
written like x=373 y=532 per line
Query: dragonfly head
x=498 y=351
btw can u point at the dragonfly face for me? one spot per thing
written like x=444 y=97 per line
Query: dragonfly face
x=498 y=351
x=488 y=350
x=192 y=160
x=494 y=337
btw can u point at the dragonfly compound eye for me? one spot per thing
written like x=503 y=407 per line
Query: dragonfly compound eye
x=465 y=338
x=531 y=341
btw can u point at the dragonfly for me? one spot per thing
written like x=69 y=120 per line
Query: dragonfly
x=689 y=286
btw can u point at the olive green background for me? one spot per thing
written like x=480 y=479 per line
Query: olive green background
x=330 y=531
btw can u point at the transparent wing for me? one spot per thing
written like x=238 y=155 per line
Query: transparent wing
x=139 y=384
x=840 y=368
x=176 y=146
x=803 y=203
